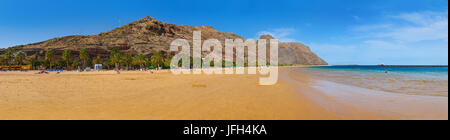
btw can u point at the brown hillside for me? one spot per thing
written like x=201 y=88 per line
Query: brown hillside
x=148 y=35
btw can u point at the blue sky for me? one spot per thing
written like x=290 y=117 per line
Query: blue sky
x=340 y=31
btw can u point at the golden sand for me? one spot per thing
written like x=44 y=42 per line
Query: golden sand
x=163 y=96
x=141 y=95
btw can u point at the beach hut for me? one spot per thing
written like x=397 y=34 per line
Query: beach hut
x=98 y=66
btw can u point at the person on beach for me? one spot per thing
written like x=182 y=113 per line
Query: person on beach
x=42 y=72
x=117 y=71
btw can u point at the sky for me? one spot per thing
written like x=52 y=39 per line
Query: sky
x=394 y=32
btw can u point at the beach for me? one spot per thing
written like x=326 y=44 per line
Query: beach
x=136 y=95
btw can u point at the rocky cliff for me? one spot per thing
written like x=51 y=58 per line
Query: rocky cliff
x=148 y=35
x=296 y=53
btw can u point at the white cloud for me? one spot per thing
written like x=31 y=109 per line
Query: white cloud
x=410 y=27
x=365 y=28
x=377 y=43
x=381 y=44
x=423 y=18
x=437 y=30
x=282 y=34
x=417 y=38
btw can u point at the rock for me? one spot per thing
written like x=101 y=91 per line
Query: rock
x=297 y=53
x=268 y=37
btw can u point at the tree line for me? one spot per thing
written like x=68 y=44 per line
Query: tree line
x=116 y=60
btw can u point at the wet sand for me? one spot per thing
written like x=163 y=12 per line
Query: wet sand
x=162 y=96
x=348 y=101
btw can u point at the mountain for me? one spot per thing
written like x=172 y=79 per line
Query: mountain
x=296 y=53
x=147 y=35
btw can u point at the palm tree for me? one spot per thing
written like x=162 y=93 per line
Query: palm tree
x=158 y=59
x=89 y=62
x=84 y=55
x=36 y=63
x=115 y=57
x=45 y=64
x=50 y=57
x=168 y=61
x=20 y=57
x=2 y=60
x=8 y=57
x=148 y=62
x=75 y=64
x=60 y=63
x=107 y=64
x=97 y=60
x=32 y=62
x=127 y=60
x=140 y=60
x=67 y=56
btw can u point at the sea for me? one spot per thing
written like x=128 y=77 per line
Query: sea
x=411 y=80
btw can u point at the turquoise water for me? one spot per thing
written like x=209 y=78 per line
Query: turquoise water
x=401 y=69
x=413 y=80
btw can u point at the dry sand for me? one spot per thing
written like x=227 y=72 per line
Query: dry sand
x=163 y=96
x=141 y=95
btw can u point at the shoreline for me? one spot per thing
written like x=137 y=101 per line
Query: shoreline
x=348 y=100
x=394 y=105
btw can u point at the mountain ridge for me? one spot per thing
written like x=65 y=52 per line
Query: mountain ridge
x=147 y=35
